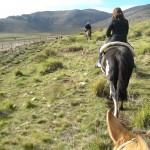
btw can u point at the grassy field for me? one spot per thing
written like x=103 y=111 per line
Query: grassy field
x=53 y=98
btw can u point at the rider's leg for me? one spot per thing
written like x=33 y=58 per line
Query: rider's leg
x=98 y=63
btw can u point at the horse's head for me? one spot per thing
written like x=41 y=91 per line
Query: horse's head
x=122 y=139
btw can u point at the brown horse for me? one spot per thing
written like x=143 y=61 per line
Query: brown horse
x=88 y=34
x=123 y=139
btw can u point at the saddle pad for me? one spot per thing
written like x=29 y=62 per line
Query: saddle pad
x=105 y=46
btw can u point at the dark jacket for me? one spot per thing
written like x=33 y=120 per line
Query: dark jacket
x=88 y=27
x=117 y=30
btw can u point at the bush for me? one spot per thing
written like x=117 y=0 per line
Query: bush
x=37 y=80
x=101 y=38
x=51 y=66
x=9 y=105
x=147 y=32
x=2 y=95
x=72 y=39
x=143 y=49
x=28 y=146
x=39 y=57
x=135 y=34
x=50 y=52
x=18 y=73
x=6 y=107
x=142 y=119
x=29 y=104
x=75 y=49
x=101 y=88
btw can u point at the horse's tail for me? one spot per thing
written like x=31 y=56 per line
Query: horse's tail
x=125 y=67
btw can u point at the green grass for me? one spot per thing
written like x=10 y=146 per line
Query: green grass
x=64 y=107
x=142 y=120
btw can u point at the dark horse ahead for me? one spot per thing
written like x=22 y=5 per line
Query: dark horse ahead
x=88 y=34
x=118 y=64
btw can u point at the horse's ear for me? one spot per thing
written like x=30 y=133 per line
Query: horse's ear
x=116 y=131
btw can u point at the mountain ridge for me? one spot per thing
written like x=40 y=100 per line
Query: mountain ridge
x=66 y=21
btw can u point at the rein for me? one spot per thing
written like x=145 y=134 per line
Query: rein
x=124 y=144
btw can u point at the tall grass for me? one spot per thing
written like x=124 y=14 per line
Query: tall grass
x=51 y=66
x=142 y=120
x=60 y=101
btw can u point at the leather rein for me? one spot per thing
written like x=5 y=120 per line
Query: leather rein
x=124 y=144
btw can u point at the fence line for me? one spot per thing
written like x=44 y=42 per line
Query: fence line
x=12 y=44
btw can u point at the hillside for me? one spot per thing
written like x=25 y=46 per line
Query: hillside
x=51 y=21
x=138 y=13
x=53 y=98
x=66 y=22
x=134 y=14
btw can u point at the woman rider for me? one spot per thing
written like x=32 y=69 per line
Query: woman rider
x=117 y=29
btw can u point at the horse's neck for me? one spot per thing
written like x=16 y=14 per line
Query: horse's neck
x=144 y=141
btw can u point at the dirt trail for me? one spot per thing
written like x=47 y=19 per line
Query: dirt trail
x=123 y=116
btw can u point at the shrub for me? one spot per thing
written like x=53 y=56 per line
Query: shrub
x=55 y=92
x=101 y=87
x=9 y=105
x=2 y=95
x=143 y=49
x=147 y=32
x=48 y=140
x=51 y=66
x=6 y=108
x=36 y=80
x=74 y=49
x=100 y=144
x=135 y=34
x=50 y=52
x=72 y=39
x=101 y=38
x=29 y=104
x=142 y=119
x=28 y=146
x=18 y=73
x=39 y=57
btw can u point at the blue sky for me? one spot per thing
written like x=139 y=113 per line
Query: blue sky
x=19 y=7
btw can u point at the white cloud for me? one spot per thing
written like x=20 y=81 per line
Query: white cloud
x=19 y=7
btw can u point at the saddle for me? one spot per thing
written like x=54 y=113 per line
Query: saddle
x=105 y=47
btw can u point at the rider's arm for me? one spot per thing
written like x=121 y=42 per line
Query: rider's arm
x=109 y=29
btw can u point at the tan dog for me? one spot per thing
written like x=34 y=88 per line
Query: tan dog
x=124 y=140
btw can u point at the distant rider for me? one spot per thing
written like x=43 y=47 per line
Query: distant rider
x=88 y=27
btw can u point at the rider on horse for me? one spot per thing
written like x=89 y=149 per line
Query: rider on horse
x=88 y=31
x=88 y=26
x=117 y=30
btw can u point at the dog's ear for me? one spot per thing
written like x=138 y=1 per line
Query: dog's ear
x=116 y=130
